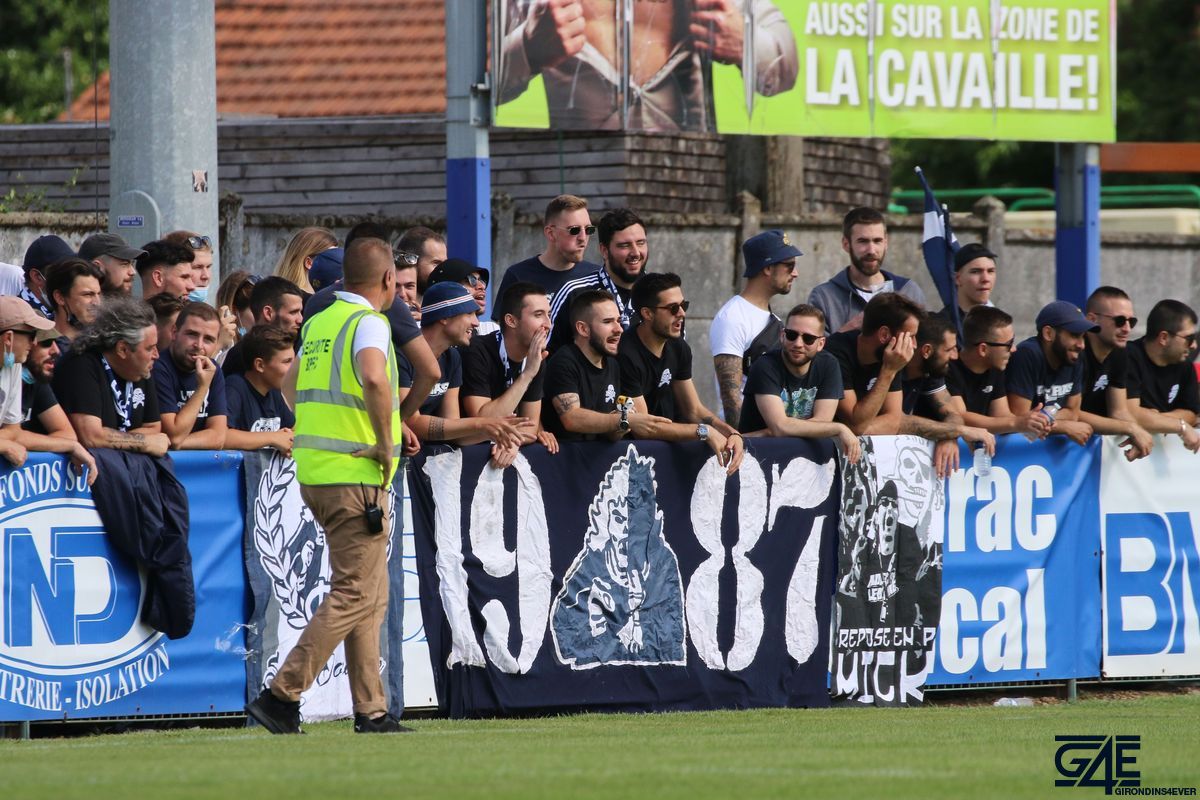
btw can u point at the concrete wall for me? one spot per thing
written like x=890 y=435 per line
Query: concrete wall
x=703 y=250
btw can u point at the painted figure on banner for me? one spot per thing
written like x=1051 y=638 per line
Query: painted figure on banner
x=622 y=598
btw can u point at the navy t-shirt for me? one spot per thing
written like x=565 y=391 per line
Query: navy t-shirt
x=174 y=387
x=533 y=270
x=450 y=364
x=253 y=412
x=1029 y=375
x=770 y=376
x=404 y=327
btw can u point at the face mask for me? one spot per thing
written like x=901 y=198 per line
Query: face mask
x=10 y=360
x=199 y=295
x=26 y=375
x=241 y=330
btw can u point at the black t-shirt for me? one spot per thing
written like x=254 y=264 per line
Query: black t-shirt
x=82 y=387
x=36 y=399
x=404 y=327
x=1099 y=376
x=1029 y=375
x=533 y=270
x=977 y=390
x=485 y=374
x=253 y=412
x=233 y=364
x=648 y=376
x=918 y=395
x=569 y=372
x=175 y=387
x=856 y=376
x=770 y=376
x=451 y=377
x=1161 y=388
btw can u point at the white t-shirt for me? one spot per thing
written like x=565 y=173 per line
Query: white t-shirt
x=486 y=326
x=735 y=326
x=12 y=279
x=10 y=396
x=372 y=331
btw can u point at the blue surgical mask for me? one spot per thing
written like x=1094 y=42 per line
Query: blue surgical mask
x=10 y=360
x=241 y=330
x=26 y=375
x=199 y=295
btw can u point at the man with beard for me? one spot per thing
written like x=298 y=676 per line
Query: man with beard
x=504 y=372
x=844 y=297
x=40 y=411
x=874 y=363
x=656 y=370
x=583 y=376
x=744 y=328
x=1162 y=390
x=191 y=389
x=273 y=301
x=110 y=252
x=1046 y=369
x=457 y=270
x=422 y=248
x=448 y=321
x=624 y=251
x=794 y=389
x=1103 y=403
x=975 y=379
x=73 y=290
x=567 y=230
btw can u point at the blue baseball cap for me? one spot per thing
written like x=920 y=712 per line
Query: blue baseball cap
x=1061 y=314
x=326 y=268
x=46 y=250
x=767 y=248
x=446 y=299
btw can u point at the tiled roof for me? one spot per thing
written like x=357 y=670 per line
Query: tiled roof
x=322 y=58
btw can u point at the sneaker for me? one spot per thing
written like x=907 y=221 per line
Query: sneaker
x=385 y=724
x=277 y=716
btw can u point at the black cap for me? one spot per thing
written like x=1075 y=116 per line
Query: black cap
x=46 y=250
x=456 y=270
x=969 y=252
x=108 y=244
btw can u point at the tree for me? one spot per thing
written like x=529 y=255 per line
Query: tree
x=33 y=37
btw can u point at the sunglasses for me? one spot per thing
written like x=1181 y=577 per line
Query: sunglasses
x=1006 y=345
x=809 y=338
x=575 y=230
x=674 y=308
x=1190 y=338
x=475 y=279
x=199 y=242
x=406 y=259
x=1119 y=320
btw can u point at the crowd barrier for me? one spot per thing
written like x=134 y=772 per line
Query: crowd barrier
x=1064 y=562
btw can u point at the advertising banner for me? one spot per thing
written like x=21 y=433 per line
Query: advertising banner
x=889 y=573
x=73 y=645
x=627 y=576
x=1151 y=537
x=1041 y=70
x=1020 y=584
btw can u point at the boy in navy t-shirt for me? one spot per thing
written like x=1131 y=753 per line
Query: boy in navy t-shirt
x=258 y=415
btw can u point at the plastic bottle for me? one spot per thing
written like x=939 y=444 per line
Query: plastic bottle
x=1049 y=412
x=983 y=461
x=1014 y=702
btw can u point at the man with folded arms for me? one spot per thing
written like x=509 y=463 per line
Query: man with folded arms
x=1162 y=390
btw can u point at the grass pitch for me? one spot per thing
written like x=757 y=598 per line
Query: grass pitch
x=968 y=750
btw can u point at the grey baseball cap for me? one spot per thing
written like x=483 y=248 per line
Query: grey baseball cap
x=108 y=244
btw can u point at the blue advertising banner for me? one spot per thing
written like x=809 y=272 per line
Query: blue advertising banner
x=627 y=576
x=1021 y=577
x=72 y=644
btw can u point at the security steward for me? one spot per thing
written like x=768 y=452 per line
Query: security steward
x=347 y=446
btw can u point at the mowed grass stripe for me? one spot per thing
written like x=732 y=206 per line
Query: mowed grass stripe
x=933 y=752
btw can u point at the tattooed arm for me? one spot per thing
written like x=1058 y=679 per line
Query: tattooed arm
x=92 y=433
x=729 y=382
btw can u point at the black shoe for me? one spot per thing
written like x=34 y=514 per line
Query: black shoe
x=385 y=724
x=277 y=716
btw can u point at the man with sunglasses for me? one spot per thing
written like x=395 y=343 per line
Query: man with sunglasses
x=1047 y=369
x=475 y=279
x=1163 y=394
x=423 y=248
x=1104 y=404
x=656 y=370
x=794 y=390
x=567 y=229
x=975 y=379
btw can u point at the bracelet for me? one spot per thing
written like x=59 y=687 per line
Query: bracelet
x=735 y=433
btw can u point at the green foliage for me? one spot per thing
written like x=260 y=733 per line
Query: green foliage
x=1158 y=59
x=33 y=36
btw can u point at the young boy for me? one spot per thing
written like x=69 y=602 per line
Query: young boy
x=258 y=415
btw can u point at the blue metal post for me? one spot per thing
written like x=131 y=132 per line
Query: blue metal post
x=468 y=165
x=1077 y=219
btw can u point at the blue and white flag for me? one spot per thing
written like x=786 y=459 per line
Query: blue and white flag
x=939 y=246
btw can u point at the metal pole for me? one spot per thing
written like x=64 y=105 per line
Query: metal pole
x=162 y=56
x=1077 y=244
x=1072 y=690
x=468 y=112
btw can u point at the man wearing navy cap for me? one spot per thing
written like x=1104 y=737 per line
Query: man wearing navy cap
x=44 y=251
x=974 y=279
x=844 y=296
x=326 y=268
x=475 y=279
x=1047 y=369
x=745 y=328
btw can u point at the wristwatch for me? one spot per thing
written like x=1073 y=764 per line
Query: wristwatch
x=702 y=432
